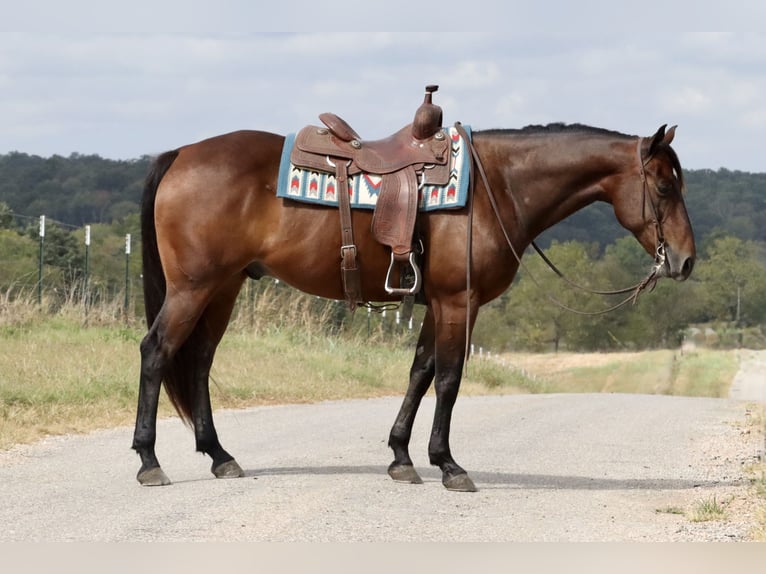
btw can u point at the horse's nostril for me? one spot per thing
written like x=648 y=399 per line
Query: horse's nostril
x=686 y=268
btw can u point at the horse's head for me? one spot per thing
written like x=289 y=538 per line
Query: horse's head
x=649 y=202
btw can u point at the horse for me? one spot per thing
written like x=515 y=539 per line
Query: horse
x=210 y=220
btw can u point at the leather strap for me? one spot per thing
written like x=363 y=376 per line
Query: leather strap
x=352 y=285
x=469 y=238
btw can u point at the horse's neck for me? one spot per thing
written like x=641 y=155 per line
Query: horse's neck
x=551 y=177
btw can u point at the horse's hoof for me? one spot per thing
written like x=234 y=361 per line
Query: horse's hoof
x=153 y=477
x=459 y=483
x=228 y=469
x=404 y=473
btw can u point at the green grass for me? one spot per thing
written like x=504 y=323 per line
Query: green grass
x=707 y=510
x=58 y=376
x=703 y=373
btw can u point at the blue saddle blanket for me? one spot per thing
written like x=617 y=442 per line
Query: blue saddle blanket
x=320 y=187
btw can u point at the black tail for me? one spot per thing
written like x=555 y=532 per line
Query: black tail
x=179 y=369
x=154 y=278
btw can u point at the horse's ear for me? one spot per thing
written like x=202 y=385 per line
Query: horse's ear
x=657 y=139
x=669 y=135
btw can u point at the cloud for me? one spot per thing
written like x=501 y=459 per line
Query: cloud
x=130 y=93
x=686 y=101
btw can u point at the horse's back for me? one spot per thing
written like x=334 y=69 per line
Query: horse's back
x=245 y=149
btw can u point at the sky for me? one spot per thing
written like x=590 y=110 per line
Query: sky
x=132 y=79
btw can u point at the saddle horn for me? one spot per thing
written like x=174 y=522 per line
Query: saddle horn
x=428 y=117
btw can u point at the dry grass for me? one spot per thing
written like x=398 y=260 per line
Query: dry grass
x=707 y=510
x=61 y=374
x=705 y=373
x=59 y=379
x=756 y=423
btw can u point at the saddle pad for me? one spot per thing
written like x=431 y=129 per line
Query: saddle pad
x=320 y=187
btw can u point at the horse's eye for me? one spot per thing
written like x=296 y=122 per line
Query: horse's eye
x=664 y=188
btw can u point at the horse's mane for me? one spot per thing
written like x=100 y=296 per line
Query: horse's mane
x=562 y=128
x=556 y=128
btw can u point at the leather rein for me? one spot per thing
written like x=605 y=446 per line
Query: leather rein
x=647 y=282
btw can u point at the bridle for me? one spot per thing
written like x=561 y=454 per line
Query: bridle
x=659 y=256
x=647 y=282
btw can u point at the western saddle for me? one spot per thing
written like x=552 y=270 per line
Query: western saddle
x=401 y=160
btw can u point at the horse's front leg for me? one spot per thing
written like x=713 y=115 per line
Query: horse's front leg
x=450 y=343
x=421 y=375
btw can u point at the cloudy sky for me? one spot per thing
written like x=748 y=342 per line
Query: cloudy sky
x=128 y=79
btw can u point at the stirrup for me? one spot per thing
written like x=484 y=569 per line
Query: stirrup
x=401 y=291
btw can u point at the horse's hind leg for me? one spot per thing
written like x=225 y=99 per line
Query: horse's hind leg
x=421 y=375
x=157 y=351
x=167 y=351
x=211 y=328
x=145 y=434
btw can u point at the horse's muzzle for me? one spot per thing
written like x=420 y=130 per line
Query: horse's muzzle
x=678 y=266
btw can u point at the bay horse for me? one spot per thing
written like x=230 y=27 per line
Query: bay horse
x=211 y=219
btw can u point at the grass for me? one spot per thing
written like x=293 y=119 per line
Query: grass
x=702 y=373
x=757 y=472
x=707 y=510
x=58 y=375
x=58 y=379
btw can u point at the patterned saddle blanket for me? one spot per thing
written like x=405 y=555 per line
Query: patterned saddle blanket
x=320 y=187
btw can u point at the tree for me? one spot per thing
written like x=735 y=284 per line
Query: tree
x=660 y=314
x=6 y=216
x=536 y=305
x=733 y=279
x=18 y=262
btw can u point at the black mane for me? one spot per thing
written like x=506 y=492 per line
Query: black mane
x=556 y=128
x=561 y=128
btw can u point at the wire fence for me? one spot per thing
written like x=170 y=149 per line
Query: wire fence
x=52 y=262
x=62 y=265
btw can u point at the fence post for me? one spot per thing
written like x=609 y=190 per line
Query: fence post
x=86 y=279
x=40 y=265
x=127 y=274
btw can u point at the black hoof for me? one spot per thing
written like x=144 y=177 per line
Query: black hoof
x=153 y=477
x=228 y=469
x=404 y=473
x=459 y=483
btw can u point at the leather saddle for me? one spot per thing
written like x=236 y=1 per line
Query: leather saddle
x=404 y=160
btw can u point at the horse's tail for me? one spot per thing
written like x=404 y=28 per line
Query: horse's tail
x=153 y=276
x=179 y=369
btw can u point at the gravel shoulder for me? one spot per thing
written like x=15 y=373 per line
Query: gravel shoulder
x=588 y=467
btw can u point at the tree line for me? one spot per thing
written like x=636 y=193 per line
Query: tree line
x=727 y=288
x=727 y=291
x=82 y=189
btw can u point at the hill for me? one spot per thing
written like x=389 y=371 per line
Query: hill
x=82 y=189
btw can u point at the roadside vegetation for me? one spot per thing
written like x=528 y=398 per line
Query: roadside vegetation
x=63 y=370
x=68 y=371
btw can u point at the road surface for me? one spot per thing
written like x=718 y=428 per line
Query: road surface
x=588 y=467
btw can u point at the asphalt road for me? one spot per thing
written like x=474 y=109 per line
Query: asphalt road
x=603 y=467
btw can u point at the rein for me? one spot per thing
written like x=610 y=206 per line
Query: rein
x=647 y=282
